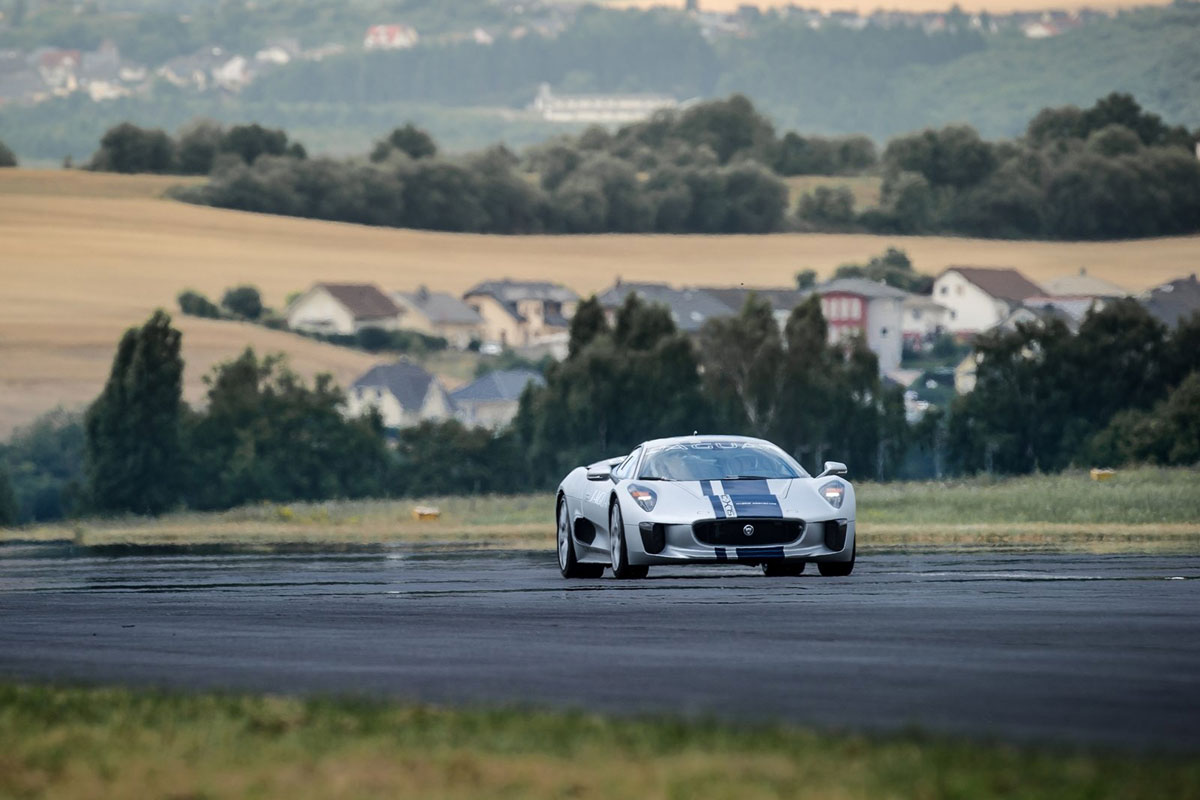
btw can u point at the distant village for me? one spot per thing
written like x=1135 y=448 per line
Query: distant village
x=532 y=318
x=104 y=74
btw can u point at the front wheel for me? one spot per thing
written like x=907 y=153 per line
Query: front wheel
x=621 y=567
x=567 y=564
x=838 y=569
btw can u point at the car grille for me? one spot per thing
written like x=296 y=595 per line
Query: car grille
x=732 y=532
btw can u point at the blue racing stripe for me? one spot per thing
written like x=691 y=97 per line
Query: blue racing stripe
x=720 y=551
x=754 y=553
x=718 y=509
x=757 y=505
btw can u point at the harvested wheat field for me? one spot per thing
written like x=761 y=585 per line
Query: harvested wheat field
x=86 y=255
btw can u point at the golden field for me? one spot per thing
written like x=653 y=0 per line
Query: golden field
x=86 y=255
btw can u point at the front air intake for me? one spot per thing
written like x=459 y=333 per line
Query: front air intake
x=835 y=534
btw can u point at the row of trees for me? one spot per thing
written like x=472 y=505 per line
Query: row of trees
x=1124 y=388
x=7 y=159
x=1112 y=170
x=265 y=434
x=196 y=150
x=1109 y=171
x=487 y=192
x=704 y=134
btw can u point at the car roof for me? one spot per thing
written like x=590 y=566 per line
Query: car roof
x=696 y=439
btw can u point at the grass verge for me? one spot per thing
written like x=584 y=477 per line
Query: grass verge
x=101 y=742
x=1140 y=510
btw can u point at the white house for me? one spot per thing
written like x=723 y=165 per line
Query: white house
x=598 y=108
x=981 y=297
x=403 y=393
x=874 y=311
x=924 y=319
x=343 y=308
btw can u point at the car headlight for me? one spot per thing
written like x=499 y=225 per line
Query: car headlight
x=643 y=496
x=834 y=492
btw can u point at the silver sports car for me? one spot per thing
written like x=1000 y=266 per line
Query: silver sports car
x=705 y=499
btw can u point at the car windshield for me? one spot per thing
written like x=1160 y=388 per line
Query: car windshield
x=715 y=461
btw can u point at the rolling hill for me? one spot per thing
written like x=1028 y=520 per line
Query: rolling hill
x=87 y=255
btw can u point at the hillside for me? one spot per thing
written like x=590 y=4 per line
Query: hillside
x=87 y=255
x=881 y=81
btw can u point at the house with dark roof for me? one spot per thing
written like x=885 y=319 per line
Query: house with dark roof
x=689 y=308
x=343 y=308
x=492 y=400
x=781 y=300
x=1175 y=302
x=403 y=393
x=981 y=297
x=521 y=313
x=440 y=314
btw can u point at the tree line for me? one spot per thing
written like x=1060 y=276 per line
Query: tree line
x=198 y=149
x=266 y=434
x=1123 y=389
x=1112 y=170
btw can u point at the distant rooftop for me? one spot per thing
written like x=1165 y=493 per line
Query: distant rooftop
x=498 y=386
x=689 y=308
x=406 y=381
x=861 y=286
x=1174 y=302
x=1083 y=285
x=440 y=307
x=363 y=300
x=1003 y=283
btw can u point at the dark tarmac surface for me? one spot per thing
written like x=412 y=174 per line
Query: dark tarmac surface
x=1075 y=649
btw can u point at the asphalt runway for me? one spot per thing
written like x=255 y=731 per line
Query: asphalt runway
x=1047 y=648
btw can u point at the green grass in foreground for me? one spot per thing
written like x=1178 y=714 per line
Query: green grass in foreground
x=1140 y=510
x=84 y=743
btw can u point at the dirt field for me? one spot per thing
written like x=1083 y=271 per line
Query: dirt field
x=84 y=256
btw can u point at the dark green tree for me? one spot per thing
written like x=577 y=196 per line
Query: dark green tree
x=248 y=142
x=742 y=358
x=195 y=304
x=243 y=301
x=133 y=454
x=7 y=159
x=267 y=435
x=130 y=149
x=410 y=140
x=588 y=323
x=9 y=510
x=197 y=147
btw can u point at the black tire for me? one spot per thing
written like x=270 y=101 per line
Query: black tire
x=621 y=568
x=839 y=569
x=783 y=569
x=567 y=564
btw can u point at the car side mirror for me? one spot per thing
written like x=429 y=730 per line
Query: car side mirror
x=599 y=472
x=833 y=468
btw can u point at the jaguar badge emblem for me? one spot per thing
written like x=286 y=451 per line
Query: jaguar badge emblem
x=748 y=530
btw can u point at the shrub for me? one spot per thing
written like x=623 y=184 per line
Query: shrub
x=195 y=304
x=243 y=301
